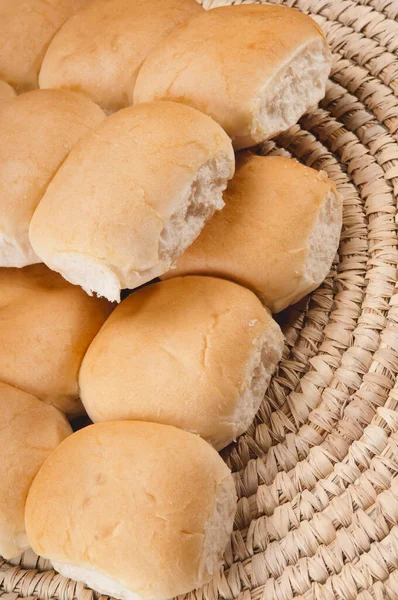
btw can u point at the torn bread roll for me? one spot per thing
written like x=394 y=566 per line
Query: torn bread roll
x=132 y=196
x=277 y=235
x=158 y=500
x=29 y=431
x=100 y=50
x=46 y=326
x=26 y=29
x=194 y=352
x=255 y=69
x=37 y=130
x=6 y=92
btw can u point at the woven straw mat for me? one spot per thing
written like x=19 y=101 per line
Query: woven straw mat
x=317 y=473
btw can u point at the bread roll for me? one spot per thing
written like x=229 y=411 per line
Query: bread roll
x=26 y=29
x=99 y=51
x=37 y=130
x=277 y=235
x=29 y=431
x=135 y=510
x=254 y=68
x=6 y=92
x=132 y=196
x=193 y=352
x=46 y=325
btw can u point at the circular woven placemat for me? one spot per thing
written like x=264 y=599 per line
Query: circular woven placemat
x=317 y=473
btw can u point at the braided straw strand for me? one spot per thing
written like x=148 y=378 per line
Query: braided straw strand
x=317 y=472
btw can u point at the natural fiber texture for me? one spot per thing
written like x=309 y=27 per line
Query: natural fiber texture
x=317 y=473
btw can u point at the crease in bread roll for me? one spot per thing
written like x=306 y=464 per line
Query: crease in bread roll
x=277 y=235
x=46 y=326
x=131 y=196
x=255 y=69
x=6 y=92
x=37 y=130
x=159 y=500
x=194 y=352
x=29 y=431
x=26 y=29
x=100 y=50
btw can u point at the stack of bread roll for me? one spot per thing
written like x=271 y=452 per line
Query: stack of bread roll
x=119 y=169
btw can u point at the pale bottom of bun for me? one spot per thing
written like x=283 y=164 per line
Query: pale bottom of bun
x=198 y=204
x=261 y=369
x=322 y=247
x=88 y=272
x=97 y=581
x=17 y=252
x=216 y=537
x=12 y=544
x=297 y=87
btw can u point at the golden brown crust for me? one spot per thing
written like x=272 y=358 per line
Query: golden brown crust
x=26 y=29
x=260 y=238
x=99 y=51
x=177 y=353
x=37 y=131
x=221 y=61
x=46 y=326
x=139 y=492
x=29 y=431
x=145 y=157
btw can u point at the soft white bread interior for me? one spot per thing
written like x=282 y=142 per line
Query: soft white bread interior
x=26 y=29
x=37 y=130
x=278 y=233
x=100 y=49
x=29 y=431
x=46 y=326
x=193 y=352
x=258 y=70
x=6 y=92
x=158 y=500
x=132 y=196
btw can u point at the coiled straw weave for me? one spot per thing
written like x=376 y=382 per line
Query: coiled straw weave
x=317 y=473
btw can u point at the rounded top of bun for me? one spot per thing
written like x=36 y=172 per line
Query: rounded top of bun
x=6 y=91
x=201 y=336
x=100 y=50
x=46 y=326
x=29 y=431
x=148 y=158
x=277 y=235
x=37 y=130
x=145 y=494
x=242 y=50
x=26 y=29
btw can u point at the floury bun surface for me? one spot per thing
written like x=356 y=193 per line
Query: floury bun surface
x=46 y=326
x=100 y=50
x=255 y=69
x=26 y=29
x=132 y=196
x=29 y=431
x=37 y=130
x=277 y=234
x=193 y=352
x=135 y=510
